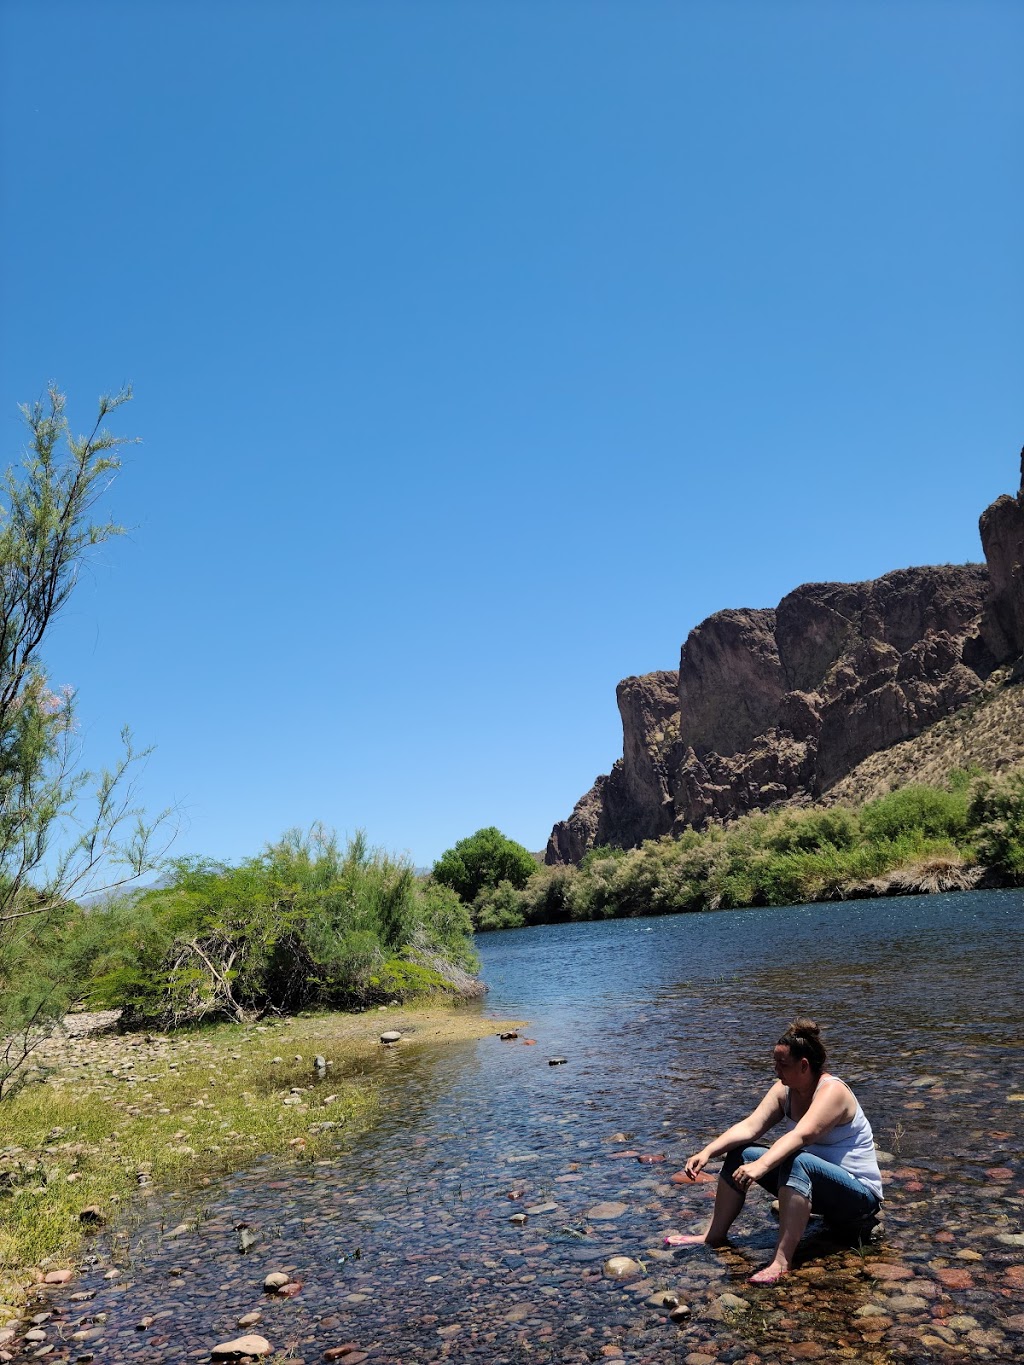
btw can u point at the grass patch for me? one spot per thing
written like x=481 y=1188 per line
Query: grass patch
x=111 y=1119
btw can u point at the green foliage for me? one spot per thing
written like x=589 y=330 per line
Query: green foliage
x=483 y=860
x=996 y=815
x=498 y=907
x=51 y=846
x=543 y=899
x=305 y=923
x=807 y=831
x=404 y=980
x=923 y=810
x=445 y=923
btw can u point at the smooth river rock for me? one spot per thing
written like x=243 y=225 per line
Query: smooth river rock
x=250 y=1345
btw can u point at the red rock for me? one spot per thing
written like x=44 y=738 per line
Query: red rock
x=913 y=1186
x=955 y=1279
x=650 y=1159
x=289 y=1290
x=806 y=1350
x=999 y=1173
x=881 y=1270
x=944 y=1237
x=339 y=1352
x=58 y=1277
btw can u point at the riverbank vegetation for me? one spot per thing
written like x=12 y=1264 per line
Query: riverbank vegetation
x=305 y=924
x=916 y=839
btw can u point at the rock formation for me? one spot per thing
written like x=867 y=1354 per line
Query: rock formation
x=779 y=705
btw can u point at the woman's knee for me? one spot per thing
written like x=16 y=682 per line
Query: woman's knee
x=794 y=1174
x=740 y=1156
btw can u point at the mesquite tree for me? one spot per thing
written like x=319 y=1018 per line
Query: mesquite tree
x=56 y=840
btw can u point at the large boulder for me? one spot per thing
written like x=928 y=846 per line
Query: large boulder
x=779 y=705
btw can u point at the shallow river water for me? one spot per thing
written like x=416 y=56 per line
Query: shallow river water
x=404 y=1245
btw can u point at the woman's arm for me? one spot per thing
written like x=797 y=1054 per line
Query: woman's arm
x=765 y=1116
x=829 y=1106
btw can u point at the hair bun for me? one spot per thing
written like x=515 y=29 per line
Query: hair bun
x=806 y=1027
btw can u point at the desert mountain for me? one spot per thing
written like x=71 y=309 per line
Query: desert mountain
x=819 y=697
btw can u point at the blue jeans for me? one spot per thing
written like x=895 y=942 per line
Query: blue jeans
x=837 y=1196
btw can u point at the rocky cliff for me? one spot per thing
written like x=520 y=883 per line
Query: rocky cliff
x=780 y=705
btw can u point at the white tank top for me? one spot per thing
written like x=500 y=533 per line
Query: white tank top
x=849 y=1145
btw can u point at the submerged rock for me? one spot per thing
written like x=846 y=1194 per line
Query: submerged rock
x=622 y=1268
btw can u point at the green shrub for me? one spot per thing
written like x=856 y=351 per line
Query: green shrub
x=483 y=860
x=996 y=817
x=806 y=831
x=498 y=907
x=916 y=810
x=303 y=924
x=544 y=898
x=397 y=979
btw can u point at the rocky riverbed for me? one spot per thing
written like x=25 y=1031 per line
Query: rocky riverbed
x=431 y=1257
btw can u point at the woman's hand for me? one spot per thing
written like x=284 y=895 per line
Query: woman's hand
x=695 y=1165
x=749 y=1174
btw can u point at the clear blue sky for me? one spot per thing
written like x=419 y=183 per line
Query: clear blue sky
x=480 y=350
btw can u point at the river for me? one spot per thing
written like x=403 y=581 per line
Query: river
x=404 y=1244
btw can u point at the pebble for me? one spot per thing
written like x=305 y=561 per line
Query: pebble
x=622 y=1268
x=250 y=1345
x=609 y=1209
x=725 y=1307
x=907 y=1303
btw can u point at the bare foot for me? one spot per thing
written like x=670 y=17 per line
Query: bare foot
x=685 y=1239
x=771 y=1274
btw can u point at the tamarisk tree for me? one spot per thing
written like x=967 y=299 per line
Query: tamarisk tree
x=64 y=832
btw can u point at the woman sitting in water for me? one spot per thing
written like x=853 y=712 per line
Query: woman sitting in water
x=824 y=1160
